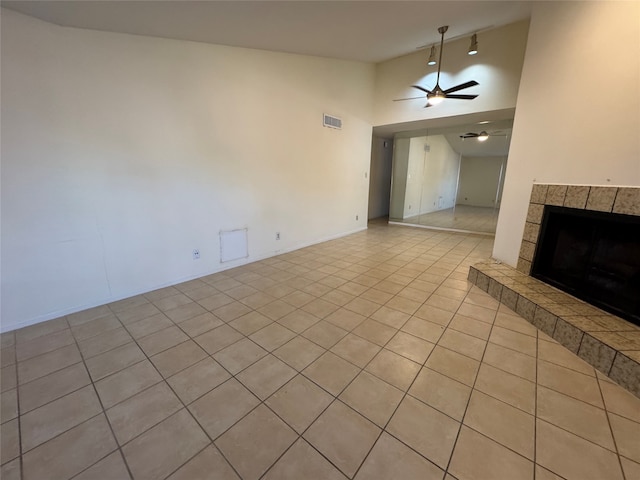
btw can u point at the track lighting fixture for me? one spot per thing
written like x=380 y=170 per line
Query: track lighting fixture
x=473 y=48
x=438 y=94
x=432 y=56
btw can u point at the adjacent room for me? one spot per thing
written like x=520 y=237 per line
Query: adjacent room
x=320 y=240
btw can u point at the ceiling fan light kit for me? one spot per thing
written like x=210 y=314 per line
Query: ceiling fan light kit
x=437 y=95
x=484 y=136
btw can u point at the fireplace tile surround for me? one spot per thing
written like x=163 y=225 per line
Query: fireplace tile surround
x=609 y=343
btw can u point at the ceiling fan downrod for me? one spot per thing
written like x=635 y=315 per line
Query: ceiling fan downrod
x=441 y=30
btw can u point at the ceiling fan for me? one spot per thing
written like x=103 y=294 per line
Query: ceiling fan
x=482 y=136
x=437 y=95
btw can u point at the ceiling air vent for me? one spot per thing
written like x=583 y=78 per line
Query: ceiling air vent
x=331 y=122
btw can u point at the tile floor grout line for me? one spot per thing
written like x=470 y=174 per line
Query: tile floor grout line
x=184 y=407
x=209 y=445
x=44 y=353
x=405 y=393
x=564 y=394
x=384 y=428
x=261 y=402
x=464 y=414
x=578 y=436
x=535 y=407
x=103 y=411
x=162 y=380
x=336 y=397
x=19 y=417
x=613 y=437
x=61 y=396
x=572 y=370
x=104 y=414
x=47 y=374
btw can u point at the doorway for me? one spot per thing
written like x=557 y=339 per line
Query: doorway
x=380 y=177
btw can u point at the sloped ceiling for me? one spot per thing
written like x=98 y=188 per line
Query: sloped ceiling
x=367 y=31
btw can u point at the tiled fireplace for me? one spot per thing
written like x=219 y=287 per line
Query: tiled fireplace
x=609 y=343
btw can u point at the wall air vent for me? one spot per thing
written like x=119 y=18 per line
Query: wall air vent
x=331 y=122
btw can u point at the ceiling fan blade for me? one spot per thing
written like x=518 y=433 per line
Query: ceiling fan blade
x=409 y=98
x=470 y=135
x=462 y=97
x=462 y=86
x=422 y=88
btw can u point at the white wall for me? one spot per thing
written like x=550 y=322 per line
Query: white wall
x=380 y=177
x=440 y=175
x=415 y=177
x=121 y=154
x=432 y=175
x=479 y=181
x=578 y=112
x=496 y=68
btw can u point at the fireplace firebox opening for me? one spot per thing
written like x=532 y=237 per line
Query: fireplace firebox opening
x=594 y=256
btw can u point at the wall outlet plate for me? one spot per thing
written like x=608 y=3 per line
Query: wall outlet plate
x=196 y=254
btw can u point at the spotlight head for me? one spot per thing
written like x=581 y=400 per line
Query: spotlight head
x=473 y=48
x=432 y=56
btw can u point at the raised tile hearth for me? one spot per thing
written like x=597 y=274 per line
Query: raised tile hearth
x=608 y=342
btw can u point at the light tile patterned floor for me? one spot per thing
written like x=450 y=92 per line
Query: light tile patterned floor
x=462 y=217
x=367 y=357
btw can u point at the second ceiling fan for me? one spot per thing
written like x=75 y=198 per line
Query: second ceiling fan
x=436 y=95
x=483 y=135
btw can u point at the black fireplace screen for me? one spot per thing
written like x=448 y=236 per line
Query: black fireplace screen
x=594 y=256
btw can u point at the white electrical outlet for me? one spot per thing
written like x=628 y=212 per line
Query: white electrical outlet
x=196 y=254
x=277 y=235
x=356 y=217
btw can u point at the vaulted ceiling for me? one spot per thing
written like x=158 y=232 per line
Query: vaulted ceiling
x=368 y=31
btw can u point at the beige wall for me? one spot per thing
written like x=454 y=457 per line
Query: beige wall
x=432 y=174
x=440 y=177
x=121 y=154
x=480 y=178
x=578 y=111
